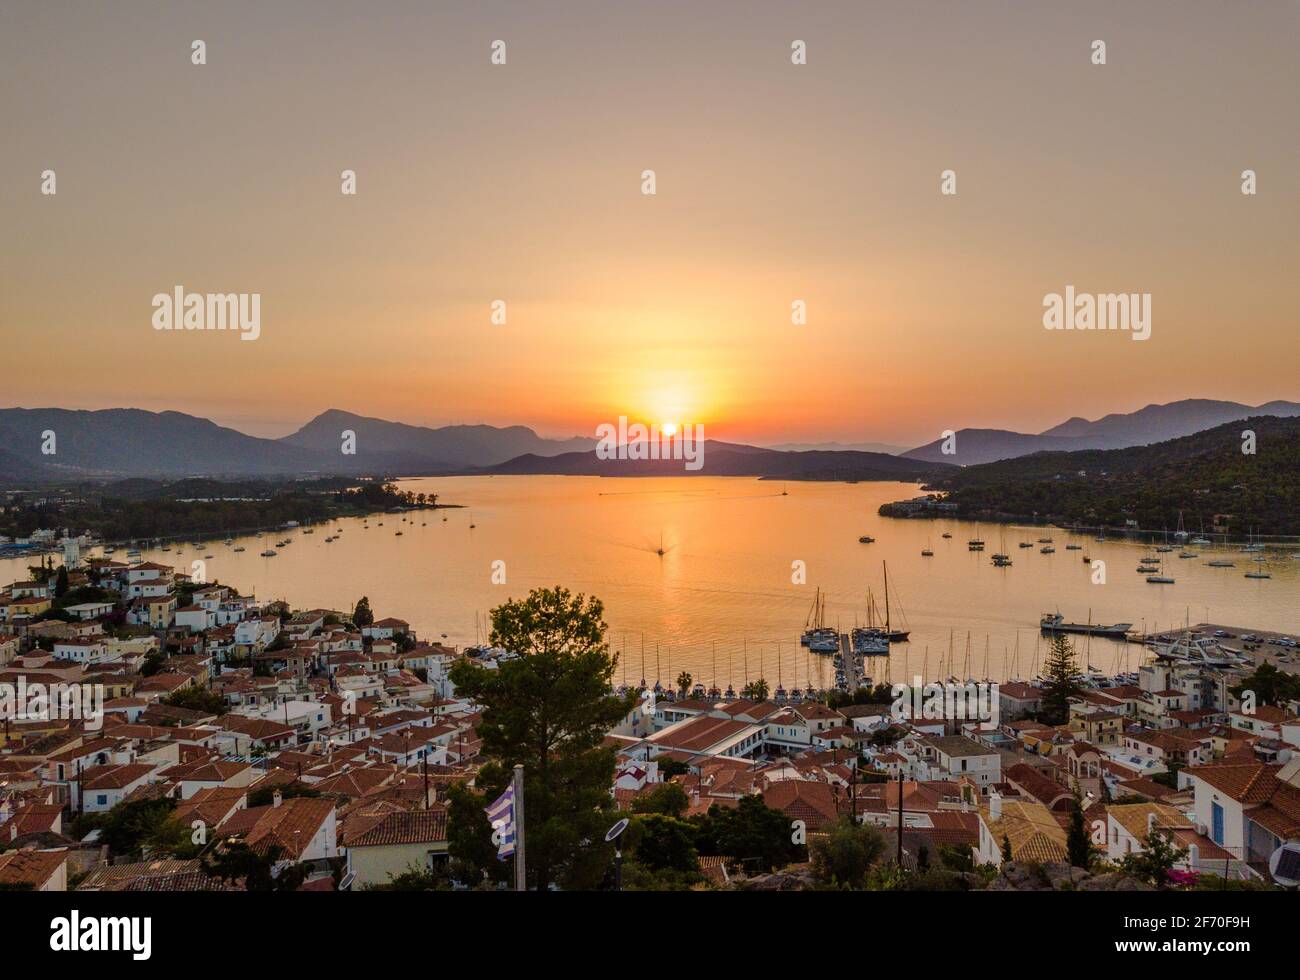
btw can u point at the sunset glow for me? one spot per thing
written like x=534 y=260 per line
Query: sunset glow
x=922 y=313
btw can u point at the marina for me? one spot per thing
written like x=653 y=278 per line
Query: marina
x=725 y=578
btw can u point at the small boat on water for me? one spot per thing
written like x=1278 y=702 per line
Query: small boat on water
x=1044 y=540
x=870 y=642
x=888 y=633
x=1048 y=550
x=816 y=636
x=1074 y=547
x=826 y=641
x=1001 y=561
x=1188 y=554
x=1220 y=563
x=240 y=548
x=1160 y=580
x=269 y=553
x=975 y=544
x=1148 y=569
x=927 y=553
x=1026 y=544
x=1258 y=575
x=866 y=539
x=947 y=534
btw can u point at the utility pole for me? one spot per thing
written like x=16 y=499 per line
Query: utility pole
x=900 y=819
x=521 y=880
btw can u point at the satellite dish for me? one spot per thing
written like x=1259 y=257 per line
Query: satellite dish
x=1284 y=865
x=616 y=830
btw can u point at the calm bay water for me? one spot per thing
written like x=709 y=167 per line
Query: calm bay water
x=724 y=581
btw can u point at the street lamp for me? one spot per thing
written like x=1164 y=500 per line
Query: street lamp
x=612 y=837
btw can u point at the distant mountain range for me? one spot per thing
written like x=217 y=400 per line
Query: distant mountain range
x=414 y=448
x=125 y=442
x=731 y=459
x=1155 y=423
x=131 y=442
x=1194 y=478
x=841 y=447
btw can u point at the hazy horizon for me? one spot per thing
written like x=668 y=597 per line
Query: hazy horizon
x=292 y=427
x=775 y=182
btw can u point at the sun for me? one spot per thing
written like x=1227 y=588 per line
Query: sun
x=669 y=429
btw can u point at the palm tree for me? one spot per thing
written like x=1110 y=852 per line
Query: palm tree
x=684 y=683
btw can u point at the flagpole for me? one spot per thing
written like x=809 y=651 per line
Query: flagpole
x=521 y=882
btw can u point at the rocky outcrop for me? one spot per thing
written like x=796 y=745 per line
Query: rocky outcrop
x=1019 y=876
x=792 y=879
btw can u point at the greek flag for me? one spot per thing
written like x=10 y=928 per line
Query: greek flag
x=502 y=816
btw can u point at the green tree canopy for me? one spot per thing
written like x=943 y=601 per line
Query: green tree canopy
x=666 y=843
x=361 y=615
x=1269 y=685
x=666 y=798
x=549 y=711
x=1156 y=859
x=845 y=852
x=196 y=699
x=239 y=862
x=469 y=838
x=1077 y=844
x=1061 y=673
x=752 y=832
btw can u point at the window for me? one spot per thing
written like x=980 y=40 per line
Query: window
x=102 y=799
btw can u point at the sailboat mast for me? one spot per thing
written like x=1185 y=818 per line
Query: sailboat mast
x=886 y=564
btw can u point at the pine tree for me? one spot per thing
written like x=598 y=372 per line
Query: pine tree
x=362 y=616
x=549 y=710
x=1006 y=848
x=1077 y=844
x=1062 y=674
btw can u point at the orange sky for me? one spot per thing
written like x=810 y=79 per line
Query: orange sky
x=775 y=182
